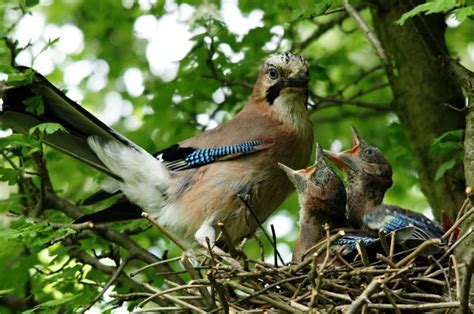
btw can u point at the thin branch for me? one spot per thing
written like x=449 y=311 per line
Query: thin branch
x=220 y=291
x=165 y=231
x=12 y=44
x=54 y=201
x=215 y=74
x=328 y=102
x=466 y=284
x=359 y=78
x=347 y=115
x=195 y=275
x=259 y=224
x=85 y=258
x=272 y=301
x=390 y=298
x=176 y=300
x=14 y=166
x=322 y=29
x=416 y=307
x=455 y=267
x=227 y=238
x=457 y=223
x=134 y=273
x=114 y=278
x=373 y=39
x=364 y=296
x=274 y=242
x=417 y=251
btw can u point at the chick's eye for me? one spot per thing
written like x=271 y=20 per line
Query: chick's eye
x=272 y=73
x=321 y=176
x=369 y=152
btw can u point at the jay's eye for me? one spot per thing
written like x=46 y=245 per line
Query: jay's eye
x=272 y=73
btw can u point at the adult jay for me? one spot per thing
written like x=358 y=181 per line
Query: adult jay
x=192 y=185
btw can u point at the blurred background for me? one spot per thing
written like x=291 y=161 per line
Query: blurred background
x=162 y=71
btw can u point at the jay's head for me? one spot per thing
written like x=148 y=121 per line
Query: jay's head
x=363 y=162
x=282 y=74
x=320 y=189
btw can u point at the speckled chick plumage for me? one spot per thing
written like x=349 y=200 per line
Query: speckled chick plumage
x=322 y=199
x=369 y=176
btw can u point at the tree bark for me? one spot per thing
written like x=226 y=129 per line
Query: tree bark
x=465 y=252
x=423 y=89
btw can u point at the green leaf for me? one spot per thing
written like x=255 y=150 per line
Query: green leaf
x=50 y=43
x=9 y=175
x=6 y=291
x=34 y=234
x=435 y=6
x=448 y=143
x=444 y=168
x=25 y=230
x=34 y=104
x=319 y=8
x=16 y=77
x=47 y=128
x=462 y=14
x=16 y=140
x=30 y=3
x=52 y=303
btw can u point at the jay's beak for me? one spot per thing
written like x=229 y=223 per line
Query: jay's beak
x=301 y=80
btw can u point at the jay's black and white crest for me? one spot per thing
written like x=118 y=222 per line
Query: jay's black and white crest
x=370 y=175
x=195 y=183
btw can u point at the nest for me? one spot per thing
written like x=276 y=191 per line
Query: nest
x=325 y=281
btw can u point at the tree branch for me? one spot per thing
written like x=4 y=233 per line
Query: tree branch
x=373 y=39
x=85 y=258
x=328 y=102
x=347 y=115
x=112 y=279
x=54 y=201
x=322 y=29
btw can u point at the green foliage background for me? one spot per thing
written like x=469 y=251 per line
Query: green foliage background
x=29 y=264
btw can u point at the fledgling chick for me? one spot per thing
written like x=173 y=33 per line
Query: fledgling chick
x=322 y=199
x=370 y=176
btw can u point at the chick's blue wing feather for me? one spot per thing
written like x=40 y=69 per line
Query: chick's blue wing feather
x=392 y=218
x=178 y=158
x=350 y=242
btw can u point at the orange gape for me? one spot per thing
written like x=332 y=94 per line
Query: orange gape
x=370 y=176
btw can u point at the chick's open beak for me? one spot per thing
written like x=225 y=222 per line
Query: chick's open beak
x=298 y=177
x=343 y=160
x=289 y=172
x=355 y=136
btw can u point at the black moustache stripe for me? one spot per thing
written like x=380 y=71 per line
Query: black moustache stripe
x=274 y=91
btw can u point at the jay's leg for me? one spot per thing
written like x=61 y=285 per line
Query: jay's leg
x=207 y=233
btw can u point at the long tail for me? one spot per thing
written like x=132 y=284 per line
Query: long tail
x=119 y=211
x=58 y=108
